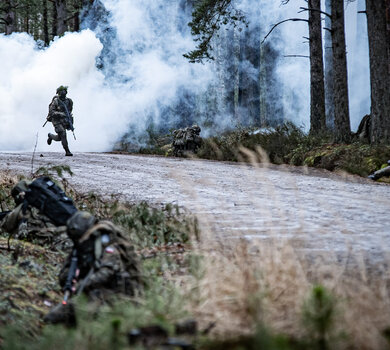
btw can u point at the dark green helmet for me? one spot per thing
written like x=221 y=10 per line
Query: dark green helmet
x=78 y=224
x=62 y=88
x=19 y=190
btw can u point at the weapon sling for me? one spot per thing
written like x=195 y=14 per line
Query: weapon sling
x=69 y=117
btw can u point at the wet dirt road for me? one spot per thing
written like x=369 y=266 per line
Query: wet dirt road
x=315 y=210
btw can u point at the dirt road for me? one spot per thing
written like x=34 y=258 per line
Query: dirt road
x=316 y=210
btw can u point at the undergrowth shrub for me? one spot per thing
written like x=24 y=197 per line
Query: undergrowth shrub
x=148 y=226
x=278 y=143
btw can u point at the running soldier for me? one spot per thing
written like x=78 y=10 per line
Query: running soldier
x=60 y=114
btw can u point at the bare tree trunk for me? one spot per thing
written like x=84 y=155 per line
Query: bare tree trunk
x=340 y=75
x=317 y=88
x=329 y=94
x=379 y=70
x=45 y=20
x=54 y=24
x=10 y=23
x=61 y=16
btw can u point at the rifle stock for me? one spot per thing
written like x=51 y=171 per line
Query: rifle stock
x=71 y=276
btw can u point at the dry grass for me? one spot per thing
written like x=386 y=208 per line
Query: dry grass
x=245 y=283
x=242 y=283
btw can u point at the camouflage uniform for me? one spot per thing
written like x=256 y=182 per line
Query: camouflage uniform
x=380 y=173
x=187 y=139
x=59 y=108
x=107 y=263
x=26 y=222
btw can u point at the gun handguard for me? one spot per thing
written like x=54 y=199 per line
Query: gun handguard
x=71 y=277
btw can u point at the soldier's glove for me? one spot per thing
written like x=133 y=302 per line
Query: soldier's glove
x=48 y=119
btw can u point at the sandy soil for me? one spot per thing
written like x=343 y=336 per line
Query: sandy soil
x=316 y=210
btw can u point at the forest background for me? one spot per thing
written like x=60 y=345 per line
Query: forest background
x=246 y=90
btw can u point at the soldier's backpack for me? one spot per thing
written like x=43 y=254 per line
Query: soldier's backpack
x=50 y=200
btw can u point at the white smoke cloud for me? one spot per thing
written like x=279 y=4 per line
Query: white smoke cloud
x=153 y=69
x=148 y=40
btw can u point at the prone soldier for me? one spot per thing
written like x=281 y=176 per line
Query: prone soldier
x=380 y=173
x=26 y=222
x=187 y=139
x=101 y=265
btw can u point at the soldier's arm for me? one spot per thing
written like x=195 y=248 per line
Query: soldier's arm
x=54 y=109
x=64 y=271
x=110 y=265
x=70 y=106
x=11 y=222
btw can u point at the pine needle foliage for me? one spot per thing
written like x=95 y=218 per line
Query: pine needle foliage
x=208 y=17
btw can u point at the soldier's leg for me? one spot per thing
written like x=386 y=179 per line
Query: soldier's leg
x=58 y=128
x=380 y=173
x=64 y=142
x=52 y=137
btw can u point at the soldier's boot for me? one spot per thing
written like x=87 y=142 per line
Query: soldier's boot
x=49 y=139
x=67 y=152
x=62 y=314
x=64 y=142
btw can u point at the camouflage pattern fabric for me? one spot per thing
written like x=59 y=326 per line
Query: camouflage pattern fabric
x=186 y=140
x=30 y=225
x=57 y=113
x=107 y=263
x=381 y=173
x=58 y=117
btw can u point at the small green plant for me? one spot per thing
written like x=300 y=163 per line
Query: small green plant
x=54 y=170
x=319 y=318
x=148 y=226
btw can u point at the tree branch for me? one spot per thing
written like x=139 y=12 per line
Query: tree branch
x=303 y=56
x=315 y=10
x=286 y=20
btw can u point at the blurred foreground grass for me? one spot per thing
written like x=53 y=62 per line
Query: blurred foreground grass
x=243 y=295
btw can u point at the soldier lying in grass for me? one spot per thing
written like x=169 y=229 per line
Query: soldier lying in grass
x=32 y=222
x=101 y=265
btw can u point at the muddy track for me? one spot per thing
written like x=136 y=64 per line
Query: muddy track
x=314 y=209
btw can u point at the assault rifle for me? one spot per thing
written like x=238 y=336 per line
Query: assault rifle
x=71 y=276
x=3 y=214
x=68 y=117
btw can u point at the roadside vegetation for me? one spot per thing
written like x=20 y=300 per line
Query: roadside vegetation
x=287 y=144
x=203 y=293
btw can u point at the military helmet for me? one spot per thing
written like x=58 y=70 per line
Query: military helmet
x=60 y=88
x=78 y=224
x=19 y=189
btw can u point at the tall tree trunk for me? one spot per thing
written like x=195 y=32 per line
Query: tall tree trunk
x=317 y=88
x=54 y=24
x=10 y=25
x=329 y=94
x=76 y=21
x=340 y=76
x=61 y=16
x=45 y=20
x=379 y=70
